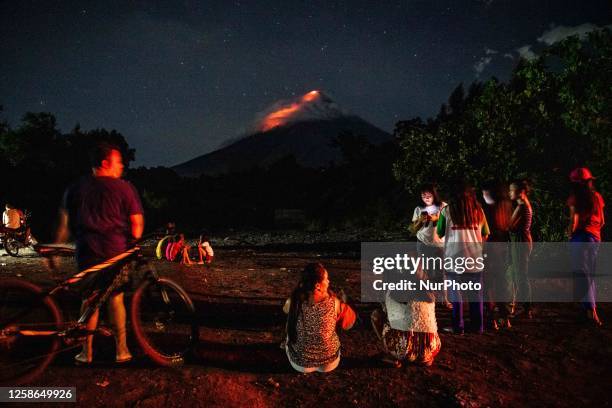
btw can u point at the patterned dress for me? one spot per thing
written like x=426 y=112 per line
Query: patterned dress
x=411 y=332
x=317 y=343
x=411 y=346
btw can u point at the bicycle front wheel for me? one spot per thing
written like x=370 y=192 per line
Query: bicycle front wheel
x=11 y=246
x=29 y=321
x=164 y=321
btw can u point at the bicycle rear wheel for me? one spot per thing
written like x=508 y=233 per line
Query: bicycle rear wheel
x=24 y=307
x=164 y=321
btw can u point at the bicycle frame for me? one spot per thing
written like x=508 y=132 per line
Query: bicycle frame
x=170 y=296
x=99 y=299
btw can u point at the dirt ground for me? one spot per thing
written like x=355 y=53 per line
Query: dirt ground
x=551 y=360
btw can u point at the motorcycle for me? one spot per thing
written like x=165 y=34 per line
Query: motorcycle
x=13 y=240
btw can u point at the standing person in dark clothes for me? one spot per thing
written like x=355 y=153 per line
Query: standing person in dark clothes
x=586 y=220
x=522 y=243
x=104 y=214
x=498 y=211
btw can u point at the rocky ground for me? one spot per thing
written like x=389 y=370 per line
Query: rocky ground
x=551 y=360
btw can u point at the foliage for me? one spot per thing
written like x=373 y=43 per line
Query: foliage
x=552 y=116
x=38 y=162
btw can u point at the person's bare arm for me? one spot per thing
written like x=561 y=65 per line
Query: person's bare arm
x=516 y=216
x=137 y=225
x=573 y=221
x=62 y=233
x=61 y=237
x=287 y=306
x=346 y=317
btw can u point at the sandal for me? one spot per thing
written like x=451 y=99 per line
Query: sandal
x=451 y=330
x=124 y=359
x=82 y=359
x=426 y=363
x=395 y=363
x=387 y=359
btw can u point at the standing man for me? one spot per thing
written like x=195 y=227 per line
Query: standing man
x=104 y=214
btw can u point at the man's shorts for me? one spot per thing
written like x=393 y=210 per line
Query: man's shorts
x=102 y=279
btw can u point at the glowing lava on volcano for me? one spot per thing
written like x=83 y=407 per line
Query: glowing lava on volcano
x=282 y=115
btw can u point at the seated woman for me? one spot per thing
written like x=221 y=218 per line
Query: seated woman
x=408 y=329
x=184 y=249
x=177 y=248
x=314 y=312
x=205 y=251
x=171 y=251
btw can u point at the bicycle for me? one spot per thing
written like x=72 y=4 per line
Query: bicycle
x=32 y=327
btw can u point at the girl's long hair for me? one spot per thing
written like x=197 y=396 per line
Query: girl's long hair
x=312 y=274
x=464 y=208
x=583 y=199
x=501 y=212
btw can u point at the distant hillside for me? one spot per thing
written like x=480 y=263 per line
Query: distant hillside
x=310 y=142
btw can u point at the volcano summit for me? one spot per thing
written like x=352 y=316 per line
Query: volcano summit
x=305 y=128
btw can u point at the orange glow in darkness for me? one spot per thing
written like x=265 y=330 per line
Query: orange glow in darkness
x=281 y=116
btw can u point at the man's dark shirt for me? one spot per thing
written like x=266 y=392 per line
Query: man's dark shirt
x=99 y=210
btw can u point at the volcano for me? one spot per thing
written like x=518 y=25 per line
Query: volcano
x=305 y=128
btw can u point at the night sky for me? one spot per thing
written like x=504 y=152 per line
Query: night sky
x=179 y=78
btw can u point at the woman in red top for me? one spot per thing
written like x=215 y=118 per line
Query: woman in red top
x=586 y=220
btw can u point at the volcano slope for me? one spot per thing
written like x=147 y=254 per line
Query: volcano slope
x=306 y=129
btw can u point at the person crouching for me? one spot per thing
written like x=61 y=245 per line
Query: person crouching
x=407 y=327
x=205 y=251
